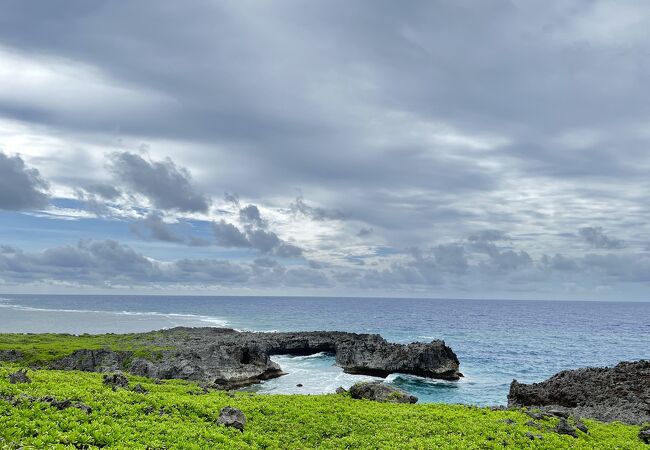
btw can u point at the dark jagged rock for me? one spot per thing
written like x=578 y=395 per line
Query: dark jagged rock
x=563 y=427
x=227 y=359
x=380 y=392
x=116 y=380
x=341 y=390
x=65 y=404
x=613 y=393
x=533 y=437
x=232 y=417
x=644 y=434
x=581 y=426
x=139 y=389
x=19 y=377
x=10 y=355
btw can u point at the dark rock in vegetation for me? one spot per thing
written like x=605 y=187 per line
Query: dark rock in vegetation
x=228 y=359
x=138 y=388
x=644 y=434
x=19 y=377
x=10 y=355
x=563 y=427
x=581 y=426
x=532 y=423
x=536 y=415
x=508 y=421
x=341 y=390
x=380 y=392
x=116 y=380
x=612 y=393
x=82 y=406
x=232 y=417
x=559 y=413
x=66 y=403
x=532 y=436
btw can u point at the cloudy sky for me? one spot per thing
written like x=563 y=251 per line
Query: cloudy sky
x=449 y=148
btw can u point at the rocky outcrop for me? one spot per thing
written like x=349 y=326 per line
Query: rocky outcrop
x=232 y=417
x=19 y=377
x=10 y=355
x=227 y=358
x=607 y=394
x=116 y=381
x=380 y=392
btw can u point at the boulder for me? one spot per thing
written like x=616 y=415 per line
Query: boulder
x=116 y=380
x=380 y=392
x=563 y=427
x=533 y=437
x=19 y=377
x=607 y=394
x=644 y=434
x=138 y=388
x=232 y=417
x=341 y=390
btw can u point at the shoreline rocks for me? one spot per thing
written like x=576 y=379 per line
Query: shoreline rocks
x=378 y=391
x=227 y=359
x=607 y=394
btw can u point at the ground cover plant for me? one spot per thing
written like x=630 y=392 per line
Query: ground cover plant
x=35 y=349
x=67 y=409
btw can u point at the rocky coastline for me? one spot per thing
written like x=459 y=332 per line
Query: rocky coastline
x=227 y=359
x=619 y=393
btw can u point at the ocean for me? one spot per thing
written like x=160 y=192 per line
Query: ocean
x=496 y=340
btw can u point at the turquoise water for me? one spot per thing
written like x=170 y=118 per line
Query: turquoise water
x=495 y=341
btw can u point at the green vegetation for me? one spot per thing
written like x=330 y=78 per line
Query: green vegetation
x=37 y=349
x=176 y=415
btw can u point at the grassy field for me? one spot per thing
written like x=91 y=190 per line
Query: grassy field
x=177 y=415
x=42 y=348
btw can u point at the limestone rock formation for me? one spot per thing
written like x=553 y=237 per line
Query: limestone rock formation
x=607 y=394
x=380 y=392
x=226 y=358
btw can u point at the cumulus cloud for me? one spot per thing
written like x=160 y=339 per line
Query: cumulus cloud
x=299 y=206
x=103 y=190
x=21 y=187
x=596 y=237
x=255 y=234
x=250 y=215
x=228 y=235
x=165 y=184
x=109 y=263
x=153 y=227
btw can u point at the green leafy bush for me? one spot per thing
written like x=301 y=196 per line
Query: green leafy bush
x=175 y=415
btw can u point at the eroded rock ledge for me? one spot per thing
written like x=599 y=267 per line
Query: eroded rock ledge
x=227 y=358
x=614 y=393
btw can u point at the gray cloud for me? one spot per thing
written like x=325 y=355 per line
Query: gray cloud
x=104 y=190
x=251 y=215
x=228 y=235
x=596 y=237
x=153 y=227
x=452 y=148
x=109 y=263
x=299 y=206
x=488 y=236
x=21 y=187
x=163 y=182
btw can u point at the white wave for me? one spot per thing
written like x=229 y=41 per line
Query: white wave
x=215 y=321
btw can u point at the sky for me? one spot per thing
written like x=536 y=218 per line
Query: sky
x=439 y=148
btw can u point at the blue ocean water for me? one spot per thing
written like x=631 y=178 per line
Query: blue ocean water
x=495 y=341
